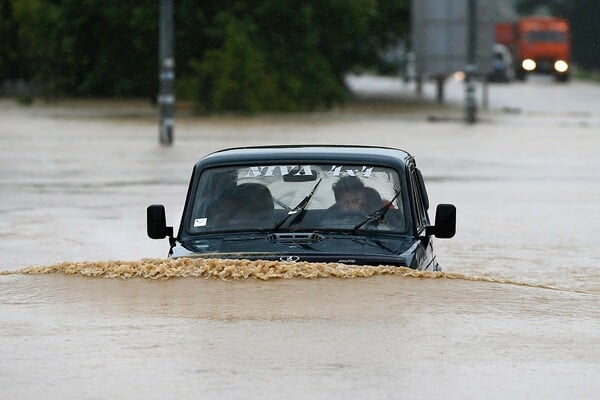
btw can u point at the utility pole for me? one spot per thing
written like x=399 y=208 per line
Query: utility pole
x=470 y=103
x=439 y=81
x=166 y=97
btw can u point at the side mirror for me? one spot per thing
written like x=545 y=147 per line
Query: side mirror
x=445 y=222
x=157 y=222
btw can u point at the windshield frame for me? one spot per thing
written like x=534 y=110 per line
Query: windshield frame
x=186 y=234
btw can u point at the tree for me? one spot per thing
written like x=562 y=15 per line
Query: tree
x=90 y=47
x=250 y=55
x=12 y=61
x=306 y=47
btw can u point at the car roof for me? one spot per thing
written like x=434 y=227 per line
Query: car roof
x=277 y=153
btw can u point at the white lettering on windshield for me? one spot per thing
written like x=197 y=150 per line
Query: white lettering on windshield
x=282 y=168
x=306 y=170
x=302 y=170
x=254 y=171
x=335 y=170
x=365 y=172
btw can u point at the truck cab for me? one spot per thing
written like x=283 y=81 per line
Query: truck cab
x=543 y=46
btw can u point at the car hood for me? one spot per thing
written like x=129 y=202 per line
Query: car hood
x=334 y=247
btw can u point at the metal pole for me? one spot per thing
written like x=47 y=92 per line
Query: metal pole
x=485 y=94
x=166 y=97
x=440 y=79
x=470 y=103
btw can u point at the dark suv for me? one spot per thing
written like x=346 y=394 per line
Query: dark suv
x=345 y=204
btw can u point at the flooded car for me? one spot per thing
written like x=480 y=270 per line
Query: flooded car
x=346 y=204
x=501 y=69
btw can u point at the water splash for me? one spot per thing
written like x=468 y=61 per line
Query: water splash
x=150 y=268
x=226 y=270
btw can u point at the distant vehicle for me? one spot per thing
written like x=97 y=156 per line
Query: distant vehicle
x=502 y=69
x=345 y=204
x=538 y=44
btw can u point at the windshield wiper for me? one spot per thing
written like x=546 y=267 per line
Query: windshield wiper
x=377 y=215
x=298 y=209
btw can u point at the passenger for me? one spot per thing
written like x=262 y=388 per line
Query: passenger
x=350 y=195
x=391 y=220
x=354 y=202
x=373 y=200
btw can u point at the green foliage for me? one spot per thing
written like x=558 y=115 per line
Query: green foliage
x=243 y=55
x=10 y=54
x=239 y=75
x=235 y=77
x=297 y=52
x=88 y=47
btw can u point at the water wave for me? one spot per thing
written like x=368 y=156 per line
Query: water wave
x=226 y=270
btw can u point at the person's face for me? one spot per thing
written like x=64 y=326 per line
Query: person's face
x=352 y=201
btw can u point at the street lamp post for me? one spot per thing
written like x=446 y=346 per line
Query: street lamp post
x=166 y=97
x=470 y=103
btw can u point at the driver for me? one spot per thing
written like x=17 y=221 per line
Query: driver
x=248 y=205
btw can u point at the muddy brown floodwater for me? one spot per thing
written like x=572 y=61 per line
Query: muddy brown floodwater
x=89 y=308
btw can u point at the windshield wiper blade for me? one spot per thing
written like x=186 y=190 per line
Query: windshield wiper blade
x=379 y=214
x=299 y=208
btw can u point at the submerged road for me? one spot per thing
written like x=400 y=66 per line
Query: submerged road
x=75 y=180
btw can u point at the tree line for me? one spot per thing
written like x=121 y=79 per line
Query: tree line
x=250 y=55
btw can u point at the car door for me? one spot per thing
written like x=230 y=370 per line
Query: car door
x=424 y=255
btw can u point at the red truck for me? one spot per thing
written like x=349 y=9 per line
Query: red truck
x=537 y=44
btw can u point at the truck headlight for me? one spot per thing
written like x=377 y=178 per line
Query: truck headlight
x=459 y=76
x=528 y=64
x=561 y=66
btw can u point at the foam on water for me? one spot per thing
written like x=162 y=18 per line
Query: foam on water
x=232 y=269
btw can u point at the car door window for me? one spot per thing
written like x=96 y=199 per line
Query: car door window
x=419 y=213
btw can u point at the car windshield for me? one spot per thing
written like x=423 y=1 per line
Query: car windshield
x=546 y=36
x=309 y=197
